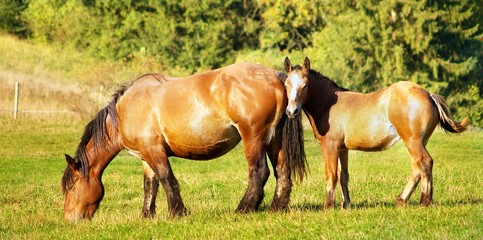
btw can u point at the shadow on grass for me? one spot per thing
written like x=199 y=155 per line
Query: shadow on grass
x=315 y=207
x=460 y=202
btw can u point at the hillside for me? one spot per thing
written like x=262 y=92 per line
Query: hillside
x=57 y=82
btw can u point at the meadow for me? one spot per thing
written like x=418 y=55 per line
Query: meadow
x=32 y=163
x=31 y=204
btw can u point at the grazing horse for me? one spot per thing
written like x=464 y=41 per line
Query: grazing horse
x=198 y=117
x=342 y=120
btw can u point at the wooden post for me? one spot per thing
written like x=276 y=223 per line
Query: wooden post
x=15 y=104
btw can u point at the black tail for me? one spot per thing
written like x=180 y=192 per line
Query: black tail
x=293 y=147
x=445 y=119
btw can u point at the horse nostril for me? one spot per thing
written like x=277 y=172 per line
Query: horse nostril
x=291 y=114
x=296 y=112
x=288 y=112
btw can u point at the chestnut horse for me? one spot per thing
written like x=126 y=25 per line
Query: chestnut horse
x=198 y=117
x=342 y=120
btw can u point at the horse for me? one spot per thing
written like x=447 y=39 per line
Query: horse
x=198 y=117
x=343 y=120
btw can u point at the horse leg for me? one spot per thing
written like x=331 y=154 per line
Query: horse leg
x=257 y=176
x=281 y=197
x=159 y=162
x=414 y=178
x=427 y=182
x=344 y=178
x=151 y=184
x=421 y=169
x=331 y=164
x=426 y=171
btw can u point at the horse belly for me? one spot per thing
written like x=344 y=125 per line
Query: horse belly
x=202 y=143
x=373 y=138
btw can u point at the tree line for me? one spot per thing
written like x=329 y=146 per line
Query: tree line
x=362 y=45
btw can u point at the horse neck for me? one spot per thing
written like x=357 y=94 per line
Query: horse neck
x=321 y=96
x=99 y=157
x=100 y=143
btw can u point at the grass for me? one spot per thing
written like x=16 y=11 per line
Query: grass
x=31 y=166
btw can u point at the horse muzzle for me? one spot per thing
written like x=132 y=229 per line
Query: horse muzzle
x=292 y=112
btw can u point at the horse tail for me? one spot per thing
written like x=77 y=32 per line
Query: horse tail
x=293 y=147
x=445 y=119
x=97 y=130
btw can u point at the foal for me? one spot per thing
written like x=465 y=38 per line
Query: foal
x=342 y=120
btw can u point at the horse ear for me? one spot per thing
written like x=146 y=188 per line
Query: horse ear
x=71 y=162
x=287 y=65
x=306 y=64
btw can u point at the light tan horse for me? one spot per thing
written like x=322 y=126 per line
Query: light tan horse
x=197 y=117
x=342 y=120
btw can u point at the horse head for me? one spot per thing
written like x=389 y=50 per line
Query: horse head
x=82 y=194
x=296 y=86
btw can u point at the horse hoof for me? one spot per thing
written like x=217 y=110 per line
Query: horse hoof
x=401 y=202
x=426 y=202
x=279 y=208
x=329 y=205
x=345 y=205
x=147 y=214
x=179 y=213
x=245 y=210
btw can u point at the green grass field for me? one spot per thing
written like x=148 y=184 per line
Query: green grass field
x=32 y=164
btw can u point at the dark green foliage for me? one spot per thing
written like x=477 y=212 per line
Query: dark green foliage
x=437 y=44
x=287 y=25
x=363 y=45
x=188 y=34
x=10 y=20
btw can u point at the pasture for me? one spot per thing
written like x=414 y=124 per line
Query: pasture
x=31 y=204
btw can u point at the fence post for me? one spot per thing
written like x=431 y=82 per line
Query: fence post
x=15 y=104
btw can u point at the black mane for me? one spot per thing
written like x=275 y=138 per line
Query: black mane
x=97 y=130
x=322 y=77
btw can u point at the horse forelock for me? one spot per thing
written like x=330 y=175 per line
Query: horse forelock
x=293 y=146
x=296 y=67
x=67 y=180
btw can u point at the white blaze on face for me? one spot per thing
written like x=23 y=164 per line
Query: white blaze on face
x=296 y=84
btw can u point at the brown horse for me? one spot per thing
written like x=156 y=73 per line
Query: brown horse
x=342 y=120
x=197 y=117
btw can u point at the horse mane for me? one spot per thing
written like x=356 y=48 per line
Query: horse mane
x=326 y=79
x=160 y=78
x=97 y=130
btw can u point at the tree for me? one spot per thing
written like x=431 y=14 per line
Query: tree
x=287 y=25
x=10 y=20
x=369 y=45
x=210 y=31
